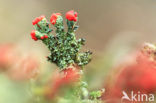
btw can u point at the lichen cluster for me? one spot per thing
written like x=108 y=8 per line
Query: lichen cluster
x=64 y=47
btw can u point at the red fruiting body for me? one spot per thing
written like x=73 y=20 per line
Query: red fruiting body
x=71 y=15
x=8 y=55
x=24 y=69
x=53 y=18
x=38 y=19
x=71 y=75
x=136 y=76
x=33 y=35
x=45 y=36
x=66 y=77
x=42 y=37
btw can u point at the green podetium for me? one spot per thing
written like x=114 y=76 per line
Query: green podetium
x=64 y=47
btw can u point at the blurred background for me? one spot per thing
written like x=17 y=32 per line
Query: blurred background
x=112 y=28
x=104 y=23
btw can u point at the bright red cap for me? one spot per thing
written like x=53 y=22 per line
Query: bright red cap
x=45 y=36
x=71 y=15
x=38 y=19
x=53 y=18
x=42 y=37
x=33 y=35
